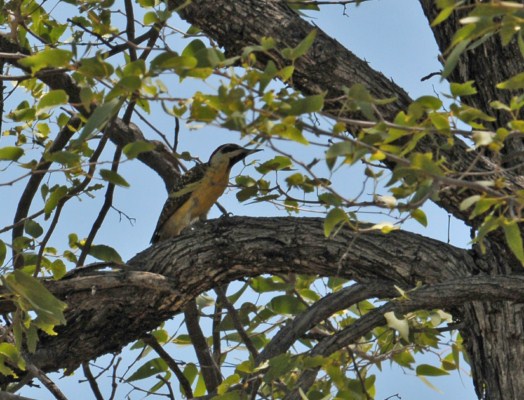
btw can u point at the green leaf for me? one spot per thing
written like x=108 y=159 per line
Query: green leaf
x=58 y=269
x=57 y=193
x=514 y=239
x=278 y=163
x=48 y=58
x=286 y=304
x=200 y=389
x=95 y=68
x=514 y=83
x=150 y=368
x=468 y=202
x=279 y=366
x=285 y=73
x=161 y=335
x=100 y=117
x=50 y=100
x=203 y=112
x=32 y=338
x=521 y=43
x=306 y=105
x=42 y=301
x=207 y=58
x=499 y=105
x=440 y=121
x=63 y=157
x=133 y=149
x=429 y=102
x=463 y=89
x=419 y=216
x=246 y=193
x=483 y=205
x=194 y=47
x=190 y=371
x=261 y=284
x=290 y=132
x=33 y=228
x=3 y=252
x=430 y=370
x=425 y=163
x=338 y=149
x=303 y=46
x=105 y=253
x=11 y=153
x=171 y=60
x=150 y=18
x=335 y=217
x=4 y=369
x=443 y=15
x=226 y=383
x=113 y=177
x=10 y=351
x=453 y=58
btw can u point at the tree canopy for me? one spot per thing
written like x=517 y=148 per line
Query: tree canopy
x=308 y=305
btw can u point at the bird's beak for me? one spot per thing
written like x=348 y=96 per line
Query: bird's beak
x=251 y=151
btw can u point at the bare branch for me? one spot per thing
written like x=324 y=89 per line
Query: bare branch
x=106 y=206
x=171 y=363
x=92 y=381
x=48 y=383
x=210 y=370
x=236 y=321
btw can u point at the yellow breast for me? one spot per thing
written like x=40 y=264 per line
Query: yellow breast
x=205 y=194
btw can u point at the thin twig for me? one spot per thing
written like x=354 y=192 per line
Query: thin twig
x=361 y=380
x=108 y=201
x=171 y=363
x=48 y=383
x=215 y=332
x=169 y=388
x=114 y=385
x=236 y=322
x=92 y=381
x=210 y=371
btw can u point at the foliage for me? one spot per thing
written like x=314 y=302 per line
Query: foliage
x=57 y=140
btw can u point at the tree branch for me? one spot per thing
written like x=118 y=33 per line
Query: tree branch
x=210 y=370
x=439 y=296
x=184 y=383
x=160 y=281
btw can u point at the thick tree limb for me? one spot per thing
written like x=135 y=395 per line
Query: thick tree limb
x=107 y=310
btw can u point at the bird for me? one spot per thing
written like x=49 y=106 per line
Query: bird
x=197 y=190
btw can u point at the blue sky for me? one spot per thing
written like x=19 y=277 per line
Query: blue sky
x=394 y=37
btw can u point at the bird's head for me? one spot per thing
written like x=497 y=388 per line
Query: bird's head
x=231 y=152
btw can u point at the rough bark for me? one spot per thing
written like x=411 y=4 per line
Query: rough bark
x=493 y=331
x=107 y=310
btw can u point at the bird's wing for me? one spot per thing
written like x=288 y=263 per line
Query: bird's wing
x=179 y=194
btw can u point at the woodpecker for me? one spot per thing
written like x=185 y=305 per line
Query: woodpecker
x=197 y=190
